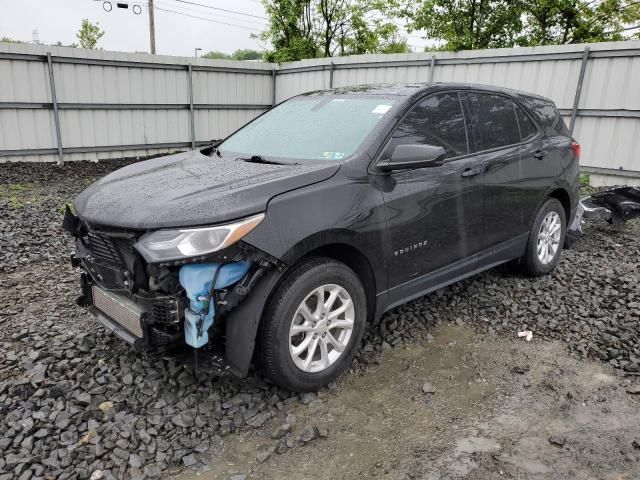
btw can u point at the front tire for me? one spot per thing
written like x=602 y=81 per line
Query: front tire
x=313 y=325
x=546 y=239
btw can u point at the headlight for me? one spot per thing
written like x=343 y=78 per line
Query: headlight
x=165 y=245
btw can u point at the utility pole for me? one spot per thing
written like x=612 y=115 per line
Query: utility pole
x=152 y=29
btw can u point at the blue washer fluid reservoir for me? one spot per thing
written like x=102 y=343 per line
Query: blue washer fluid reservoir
x=196 y=279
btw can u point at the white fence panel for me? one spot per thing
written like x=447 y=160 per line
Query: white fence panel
x=607 y=117
x=113 y=104
x=118 y=104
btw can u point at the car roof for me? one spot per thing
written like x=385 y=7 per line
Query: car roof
x=411 y=90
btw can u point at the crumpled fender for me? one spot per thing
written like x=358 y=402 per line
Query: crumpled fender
x=242 y=323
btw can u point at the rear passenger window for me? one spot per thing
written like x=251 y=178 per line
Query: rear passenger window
x=493 y=121
x=437 y=120
x=527 y=128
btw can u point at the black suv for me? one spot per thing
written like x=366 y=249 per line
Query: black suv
x=319 y=216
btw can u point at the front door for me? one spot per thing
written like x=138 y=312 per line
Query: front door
x=433 y=214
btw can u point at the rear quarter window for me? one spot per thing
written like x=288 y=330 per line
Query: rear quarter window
x=527 y=128
x=547 y=114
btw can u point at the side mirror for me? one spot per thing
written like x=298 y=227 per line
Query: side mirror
x=407 y=157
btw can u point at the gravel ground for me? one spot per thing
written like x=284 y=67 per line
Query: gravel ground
x=76 y=403
x=461 y=405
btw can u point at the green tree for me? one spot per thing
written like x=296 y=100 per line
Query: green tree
x=216 y=55
x=325 y=28
x=246 y=54
x=471 y=24
x=465 y=24
x=367 y=32
x=10 y=40
x=89 y=34
x=572 y=21
x=290 y=30
x=71 y=45
x=240 y=54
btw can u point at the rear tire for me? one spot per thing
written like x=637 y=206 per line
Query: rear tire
x=305 y=343
x=545 y=240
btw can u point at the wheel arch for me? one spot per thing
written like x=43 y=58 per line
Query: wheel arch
x=243 y=323
x=356 y=261
x=563 y=197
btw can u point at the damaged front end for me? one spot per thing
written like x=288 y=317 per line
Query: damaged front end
x=613 y=206
x=173 y=290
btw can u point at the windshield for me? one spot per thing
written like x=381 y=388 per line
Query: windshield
x=308 y=128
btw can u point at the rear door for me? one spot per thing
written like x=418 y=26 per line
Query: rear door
x=433 y=214
x=508 y=142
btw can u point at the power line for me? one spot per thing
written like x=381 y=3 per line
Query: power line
x=209 y=19
x=218 y=15
x=221 y=9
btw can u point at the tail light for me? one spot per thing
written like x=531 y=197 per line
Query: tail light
x=575 y=146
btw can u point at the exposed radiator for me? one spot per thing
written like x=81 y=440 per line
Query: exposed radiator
x=119 y=309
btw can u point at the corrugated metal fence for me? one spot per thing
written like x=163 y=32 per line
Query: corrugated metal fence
x=79 y=104
x=595 y=86
x=115 y=104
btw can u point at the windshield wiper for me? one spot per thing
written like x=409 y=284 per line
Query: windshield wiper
x=261 y=159
x=209 y=150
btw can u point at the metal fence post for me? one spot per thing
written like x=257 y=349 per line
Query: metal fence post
x=331 y=75
x=56 y=115
x=191 y=115
x=432 y=66
x=274 y=74
x=576 y=100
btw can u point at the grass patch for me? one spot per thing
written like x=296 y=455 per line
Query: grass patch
x=18 y=195
x=64 y=206
x=585 y=180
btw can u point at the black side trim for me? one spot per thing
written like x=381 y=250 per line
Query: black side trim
x=242 y=324
x=467 y=267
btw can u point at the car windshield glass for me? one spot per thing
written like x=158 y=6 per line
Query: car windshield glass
x=309 y=128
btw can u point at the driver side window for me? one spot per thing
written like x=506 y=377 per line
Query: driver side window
x=436 y=120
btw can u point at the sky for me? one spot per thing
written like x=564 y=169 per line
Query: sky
x=178 y=32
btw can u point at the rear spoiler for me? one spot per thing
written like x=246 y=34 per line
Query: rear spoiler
x=613 y=206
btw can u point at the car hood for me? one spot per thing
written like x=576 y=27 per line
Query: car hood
x=190 y=189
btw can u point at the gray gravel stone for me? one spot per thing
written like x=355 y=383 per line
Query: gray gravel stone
x=259 y=419
x=152 y=471
x=135 y=461
x=308 y=434
x=264 y=454
x=184 y=419
x=73 y=378
x=189 y=460
x=120 y=453
x=97 y=475
x=281 y=431
x=634 y=389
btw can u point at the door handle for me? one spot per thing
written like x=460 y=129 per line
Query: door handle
x=540 y=154
x=472 y=172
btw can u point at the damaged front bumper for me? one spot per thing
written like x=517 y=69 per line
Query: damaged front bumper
x=179 y=307
x=613 y=206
